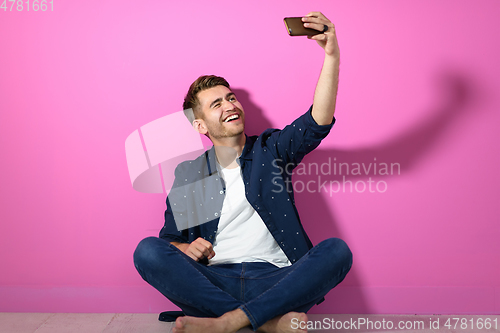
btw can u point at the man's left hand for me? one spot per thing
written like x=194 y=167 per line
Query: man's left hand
x=328 y=39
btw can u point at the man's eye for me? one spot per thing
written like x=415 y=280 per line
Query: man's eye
x=216 y=105
x=232 y=99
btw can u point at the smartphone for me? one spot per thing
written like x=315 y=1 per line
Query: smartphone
x=295 y=27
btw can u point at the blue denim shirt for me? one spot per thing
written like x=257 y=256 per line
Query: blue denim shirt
x=195 y=201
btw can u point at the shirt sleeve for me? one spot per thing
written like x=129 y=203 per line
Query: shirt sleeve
x=293 y=142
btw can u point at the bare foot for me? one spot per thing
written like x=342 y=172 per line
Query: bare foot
x=192 y=324
x=228 y=323
x=287 y=323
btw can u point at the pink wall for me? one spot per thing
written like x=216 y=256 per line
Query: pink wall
x=419 y=87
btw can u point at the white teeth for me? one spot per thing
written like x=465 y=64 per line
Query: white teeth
x=235 y=116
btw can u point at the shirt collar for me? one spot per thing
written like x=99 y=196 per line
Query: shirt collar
x=211 y=162
x=247 y=153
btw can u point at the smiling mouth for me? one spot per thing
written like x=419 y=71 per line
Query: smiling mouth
x=232 y=118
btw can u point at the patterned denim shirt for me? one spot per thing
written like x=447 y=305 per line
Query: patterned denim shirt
x=195 y=202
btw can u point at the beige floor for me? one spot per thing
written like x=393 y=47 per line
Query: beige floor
x=83 y=323
x=148 y=323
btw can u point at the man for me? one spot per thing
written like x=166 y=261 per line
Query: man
x=233 y=252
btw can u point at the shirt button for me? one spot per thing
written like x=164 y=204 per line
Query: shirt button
x=221 y=192
x=216 y=214
x=210 y=236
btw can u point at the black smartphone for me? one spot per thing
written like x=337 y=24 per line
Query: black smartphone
x=295 y=27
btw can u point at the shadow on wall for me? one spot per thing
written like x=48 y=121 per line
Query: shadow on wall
x=407 y=149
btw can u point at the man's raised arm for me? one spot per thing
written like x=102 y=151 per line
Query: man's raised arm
x=326 y=89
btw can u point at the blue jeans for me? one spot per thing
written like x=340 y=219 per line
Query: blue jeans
x=262 y=290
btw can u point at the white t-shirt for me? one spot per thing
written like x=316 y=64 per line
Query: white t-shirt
x=242 y=236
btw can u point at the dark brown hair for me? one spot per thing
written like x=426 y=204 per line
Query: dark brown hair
x=202 y=83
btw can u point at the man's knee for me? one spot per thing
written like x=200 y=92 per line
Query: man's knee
x=147 y=251
x=338 y=252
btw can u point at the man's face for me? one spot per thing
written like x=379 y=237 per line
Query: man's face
x=223 y=115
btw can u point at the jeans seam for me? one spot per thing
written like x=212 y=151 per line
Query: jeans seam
x=250 y=317
x=242 y=283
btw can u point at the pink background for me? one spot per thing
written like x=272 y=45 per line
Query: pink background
x=419 y=86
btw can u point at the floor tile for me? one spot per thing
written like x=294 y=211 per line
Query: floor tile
x=22 y=322
x=137 y=322
x=76 y=323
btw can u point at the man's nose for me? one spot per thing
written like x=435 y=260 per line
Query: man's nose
x=227 y=105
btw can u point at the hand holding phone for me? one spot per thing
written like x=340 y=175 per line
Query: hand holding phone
x=295 y=27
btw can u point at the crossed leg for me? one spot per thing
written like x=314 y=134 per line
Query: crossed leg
x=210 y=309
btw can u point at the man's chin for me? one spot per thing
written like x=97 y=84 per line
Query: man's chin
x=236 y=133
x=229 y=134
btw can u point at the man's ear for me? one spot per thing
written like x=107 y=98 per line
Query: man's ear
x=200 y=126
